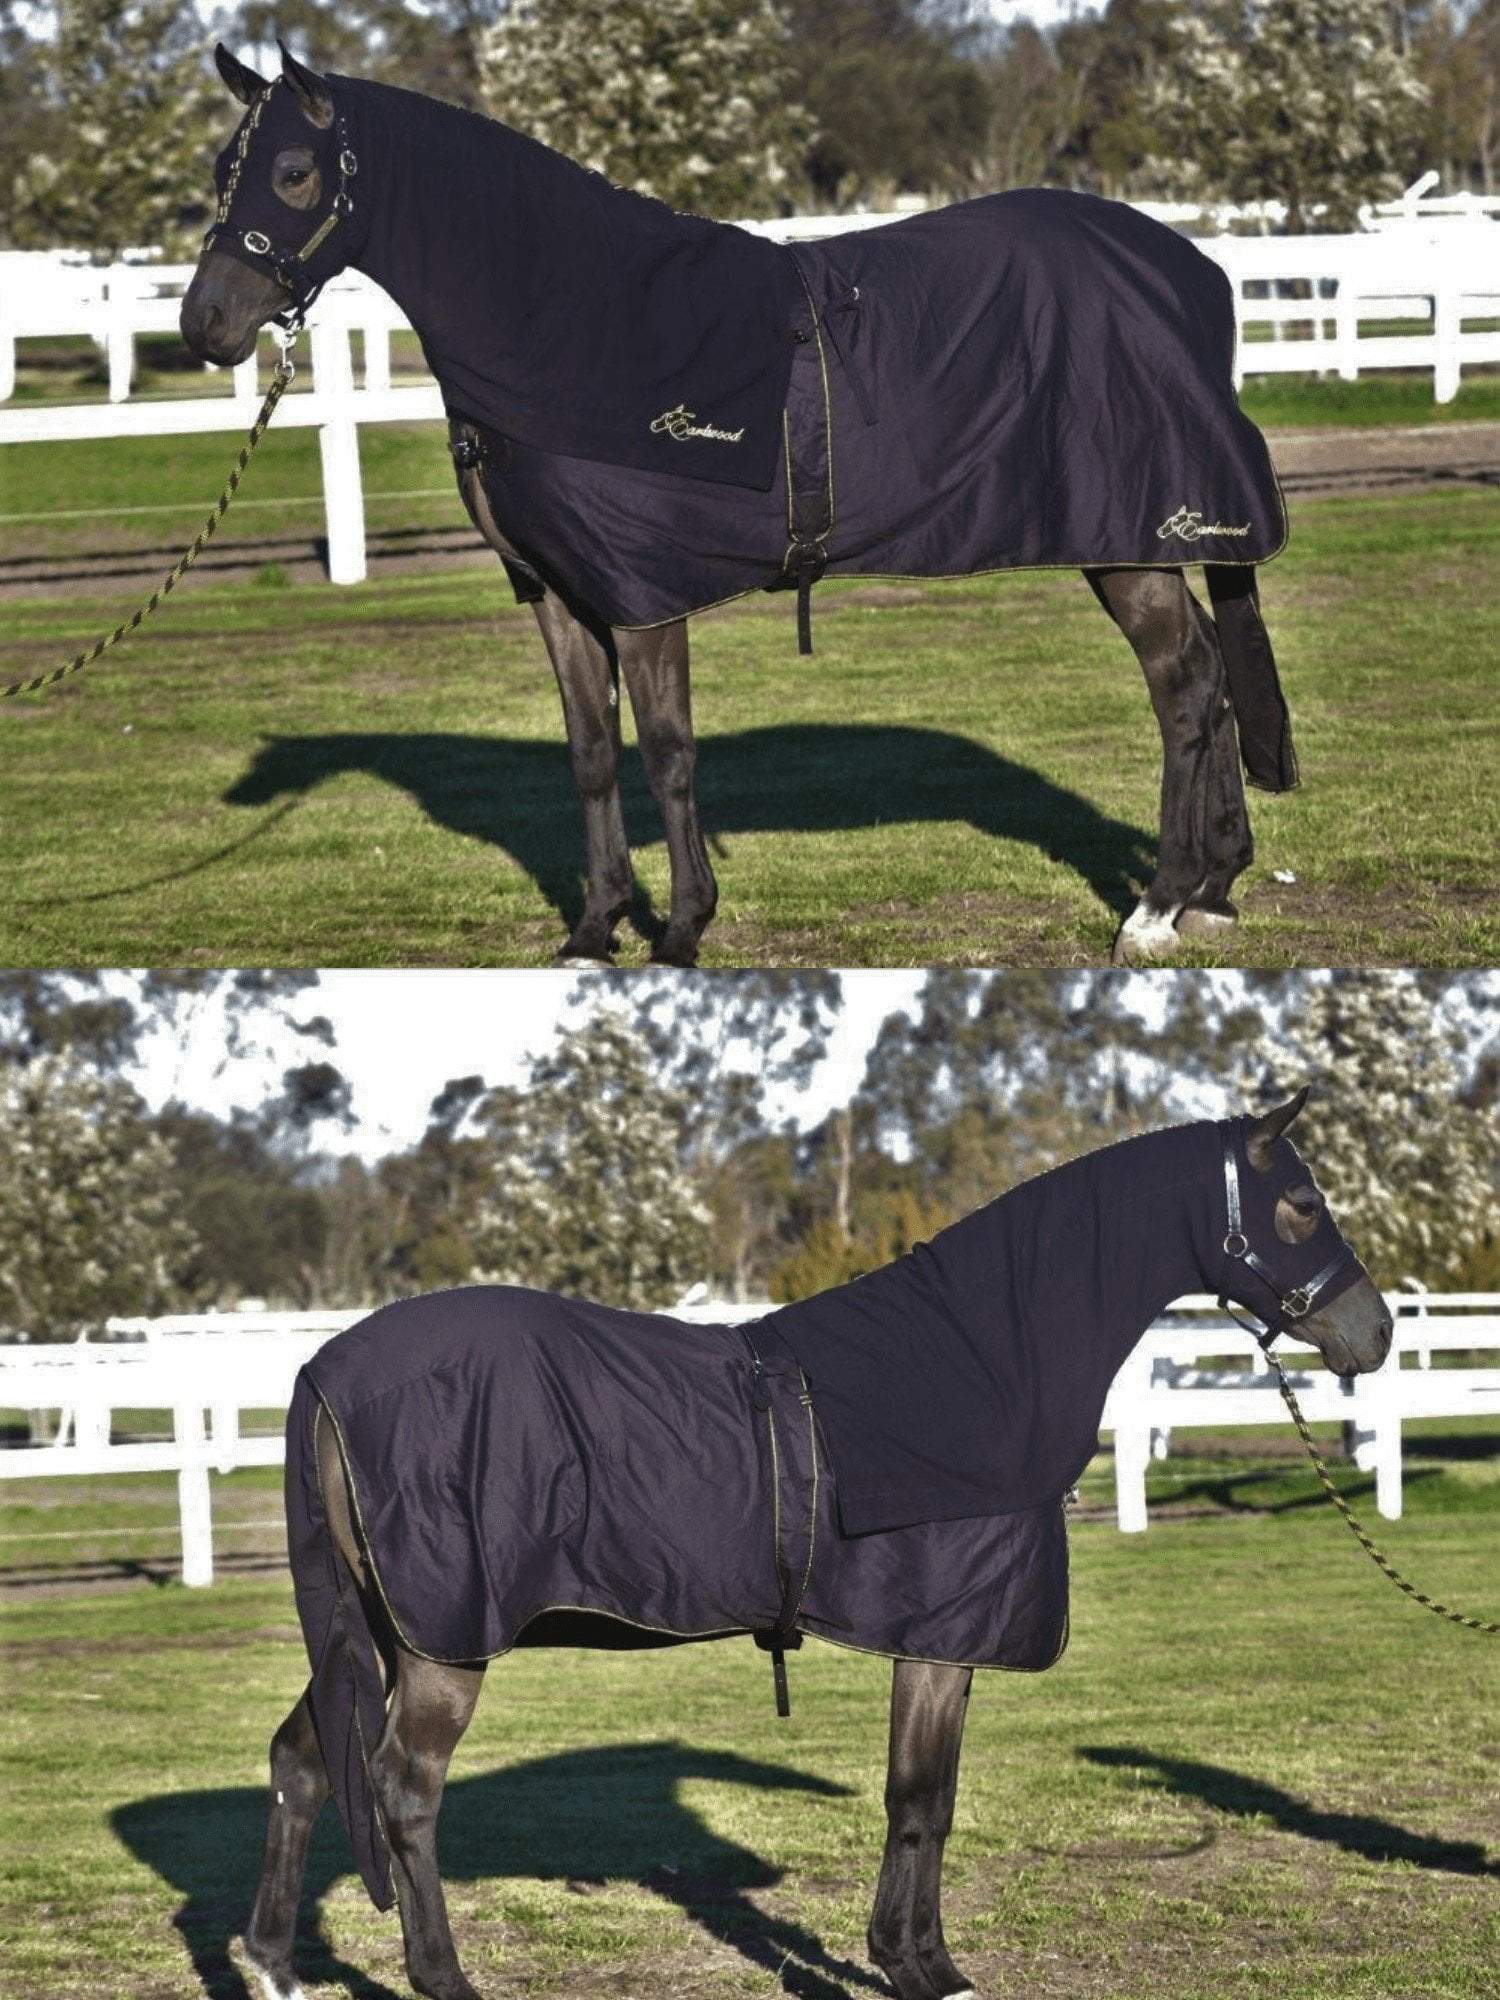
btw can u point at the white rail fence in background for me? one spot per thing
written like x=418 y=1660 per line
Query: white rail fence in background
x=1304 y=304
x=208 y=1369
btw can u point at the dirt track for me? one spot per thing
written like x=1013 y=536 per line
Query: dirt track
x=1310 y=464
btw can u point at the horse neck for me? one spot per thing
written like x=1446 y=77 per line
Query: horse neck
x=1099 y=1247
x=470 y=224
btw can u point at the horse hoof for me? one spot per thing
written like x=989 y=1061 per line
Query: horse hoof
x=578 y=961
x=1201 y=923
x=1144 y=938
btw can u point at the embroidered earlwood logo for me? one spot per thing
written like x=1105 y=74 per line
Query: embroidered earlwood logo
x=1189 y=525
x=683 y=423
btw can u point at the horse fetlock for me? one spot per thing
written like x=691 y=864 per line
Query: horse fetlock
x=269 y=1977
x=450 y=1985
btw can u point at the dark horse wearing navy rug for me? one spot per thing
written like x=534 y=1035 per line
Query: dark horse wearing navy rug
x=883 y=1467
x=652 y=413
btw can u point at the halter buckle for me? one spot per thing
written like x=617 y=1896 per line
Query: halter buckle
x=1297 y=1302
x=257 y=242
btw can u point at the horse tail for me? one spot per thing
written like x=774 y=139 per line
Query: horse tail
x=1260 y=710
x=344 y=1647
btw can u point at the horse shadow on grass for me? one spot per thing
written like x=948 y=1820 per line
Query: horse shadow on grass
x=1246 y=1797
x=517 y=795
x=585 y=1818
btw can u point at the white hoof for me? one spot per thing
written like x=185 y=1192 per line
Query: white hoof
x=1146 y=935
x=1205 y=923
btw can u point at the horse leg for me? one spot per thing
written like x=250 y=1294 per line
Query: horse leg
x=928 y=1705
x=590 y=692
x=299 y=1786
x=1205 y=827
x=428 y=1714
x=585 y=673
x=655 y=666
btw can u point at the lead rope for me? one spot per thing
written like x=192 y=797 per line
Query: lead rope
x=280 y=382
x=1382 y=1562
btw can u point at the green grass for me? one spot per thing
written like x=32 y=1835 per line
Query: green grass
x=1256 y=1772
x=279 y=771
x=1280 y=401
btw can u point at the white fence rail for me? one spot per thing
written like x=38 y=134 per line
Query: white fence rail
x=207 y=1369
x=1303 y=305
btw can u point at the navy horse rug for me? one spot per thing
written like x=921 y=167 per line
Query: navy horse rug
x=882 y=1466
x=667 y=411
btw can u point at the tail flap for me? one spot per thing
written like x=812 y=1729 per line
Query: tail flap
x=1260 y=710
x=347 y=1694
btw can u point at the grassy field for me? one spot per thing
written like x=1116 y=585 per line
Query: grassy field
x=1256 y=1772
x=279 y=771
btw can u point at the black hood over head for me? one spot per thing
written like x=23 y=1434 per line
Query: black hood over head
x=969 y=1376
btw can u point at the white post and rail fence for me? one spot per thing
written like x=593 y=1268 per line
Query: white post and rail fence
x=1414 y=292
x=1194 y=1369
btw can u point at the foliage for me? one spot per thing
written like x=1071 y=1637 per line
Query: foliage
x=1307 y=102
x=589 y=1194
x=1408 y=1166
x=692 y=101
x=130 y=153
x=89 y=1221
x=897 y=98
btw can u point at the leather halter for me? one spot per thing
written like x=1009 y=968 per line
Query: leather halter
x=1294 y=1302
x=253 y=246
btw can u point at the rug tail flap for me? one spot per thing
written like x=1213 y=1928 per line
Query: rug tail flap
x=1260 y=710
x=347 y=1692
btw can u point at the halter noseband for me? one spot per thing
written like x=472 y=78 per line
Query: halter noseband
x=1297 y=1301
x=288 y=267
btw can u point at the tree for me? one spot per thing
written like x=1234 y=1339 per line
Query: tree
x=140 y=120
x=589 y=1192
x=688 y=100
x=895 y=93
x=89 y=1221
x=1407 y=1165
x=1308 y=102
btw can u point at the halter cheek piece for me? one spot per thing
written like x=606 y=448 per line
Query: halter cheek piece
x=288 y=267
x=1291 y=1305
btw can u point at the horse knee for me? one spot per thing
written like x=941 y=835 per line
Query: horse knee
x=409 y=1788
x=298 y=1779
x=671 y=759
x=595 y=765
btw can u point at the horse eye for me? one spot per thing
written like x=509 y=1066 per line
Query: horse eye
x=294 y=176
x=1306 y=1204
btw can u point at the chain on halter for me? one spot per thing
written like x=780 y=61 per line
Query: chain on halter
x=1382 y=1562
x=280 y=382
x=1293 y=1305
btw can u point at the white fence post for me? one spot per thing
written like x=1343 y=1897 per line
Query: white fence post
x=193 y=1498
x=119 y=339
x=1132 y=1428
x=1447 y=326
x=338 y=445
x=1346 y=328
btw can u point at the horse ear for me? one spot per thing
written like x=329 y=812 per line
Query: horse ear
x=1268 y=1128
x=242 y=82
x=309 y=89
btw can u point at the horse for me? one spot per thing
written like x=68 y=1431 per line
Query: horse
x=883 y=1466
x=651 y=413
